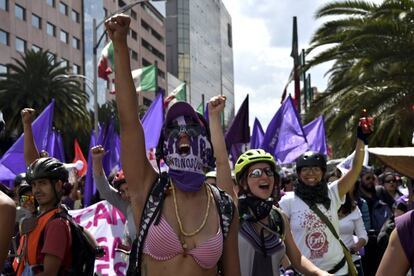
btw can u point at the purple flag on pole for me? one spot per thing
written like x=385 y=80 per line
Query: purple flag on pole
x=13 y=159
x=257 y=135
x=55 y=146
x=315 y=134
x=89 y=183
x=206 y=113
x=111 y=159
x=284 y=136
x=239 y=131
x=152 y=123
x=109 y=139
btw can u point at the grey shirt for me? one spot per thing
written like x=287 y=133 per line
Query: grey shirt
x=111 y=195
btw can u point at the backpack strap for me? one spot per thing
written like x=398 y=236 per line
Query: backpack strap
x=225 y=207
x=277 y=222
x=347 y=259
x=152 y=208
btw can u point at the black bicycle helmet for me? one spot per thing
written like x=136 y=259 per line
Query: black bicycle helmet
x=47 y=167
x=24 y=188
x=19 y=179
x=311 y=159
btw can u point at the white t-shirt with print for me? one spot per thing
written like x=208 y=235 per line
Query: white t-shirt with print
x=313 y=237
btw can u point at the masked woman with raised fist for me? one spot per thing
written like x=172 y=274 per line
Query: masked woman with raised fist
x=184 y=226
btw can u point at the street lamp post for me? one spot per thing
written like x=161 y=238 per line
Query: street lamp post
x=96 y=44
x=95 y=82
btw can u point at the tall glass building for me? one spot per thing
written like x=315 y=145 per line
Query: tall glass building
x=199 y=49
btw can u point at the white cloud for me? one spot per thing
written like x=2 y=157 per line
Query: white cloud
x=262 y=35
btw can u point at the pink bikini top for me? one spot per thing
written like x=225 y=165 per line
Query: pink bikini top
x=163 y=244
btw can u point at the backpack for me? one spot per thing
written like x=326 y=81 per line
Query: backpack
x=277 y=222
x=83 y=251
x=152 y=213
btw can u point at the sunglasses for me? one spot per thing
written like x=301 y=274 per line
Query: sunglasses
x=176 y=131
x=25 y=198
x=307 y=170
x=256 y=173
x=390 y=181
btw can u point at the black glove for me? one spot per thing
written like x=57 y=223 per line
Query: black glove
x=363 y=136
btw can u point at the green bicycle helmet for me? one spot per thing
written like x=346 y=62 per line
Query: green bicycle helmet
x=250 y=157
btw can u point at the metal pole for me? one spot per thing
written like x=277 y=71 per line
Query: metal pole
x=202 y=103
x=95 y=80
x=305 y=87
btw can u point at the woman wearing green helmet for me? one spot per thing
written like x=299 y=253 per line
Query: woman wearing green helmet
x=264 y=236
x=264 y=233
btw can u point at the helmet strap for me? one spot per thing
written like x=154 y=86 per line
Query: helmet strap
x=57 y=198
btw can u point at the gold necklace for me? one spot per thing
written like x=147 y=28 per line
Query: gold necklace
x=180 y=224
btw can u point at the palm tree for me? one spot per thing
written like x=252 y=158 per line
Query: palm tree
x=33 y=81
x=373 y=68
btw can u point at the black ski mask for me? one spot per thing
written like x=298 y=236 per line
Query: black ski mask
x=254 y=209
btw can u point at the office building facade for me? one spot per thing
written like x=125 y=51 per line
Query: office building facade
x=199 y=49
x=64 y=29
x=146 y=41
x=51 y=25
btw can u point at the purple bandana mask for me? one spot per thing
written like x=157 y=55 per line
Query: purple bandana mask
x=187 y=169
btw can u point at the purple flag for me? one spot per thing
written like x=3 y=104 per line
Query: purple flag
x=206 y=113
x=55 y=146
x=6 y=174
x=111 y=159
x=239 y=132
x=89 y=183
x=315 y=134
x=152 y=123
x=284 y=136
x=257 y=135
x=13 y=159
x=109 y=139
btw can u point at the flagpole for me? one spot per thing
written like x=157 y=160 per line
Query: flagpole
x=95 y=81
x=202 y=103
x=305 y=97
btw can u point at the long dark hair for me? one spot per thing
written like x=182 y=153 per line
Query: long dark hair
x=348 y=206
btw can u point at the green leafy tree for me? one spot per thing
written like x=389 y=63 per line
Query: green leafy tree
x=33 y=81
x=373 y=64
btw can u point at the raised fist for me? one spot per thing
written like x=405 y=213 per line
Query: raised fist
x=27 y=115
x=365 y=127
x=117 y=27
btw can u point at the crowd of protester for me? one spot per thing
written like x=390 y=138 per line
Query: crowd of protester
x=201 y=218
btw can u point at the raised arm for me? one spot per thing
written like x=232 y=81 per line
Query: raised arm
x=105 y=190
x=394 y=261
x=224 y=181
x=299 y=262
x=138 y=171
x=30 y=150
x=347 y=181
x=7 y=219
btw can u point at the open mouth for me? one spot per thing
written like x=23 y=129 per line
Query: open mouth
x=184 y=149
x=264 y=186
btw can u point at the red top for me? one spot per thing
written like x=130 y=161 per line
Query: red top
x=57 y=242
